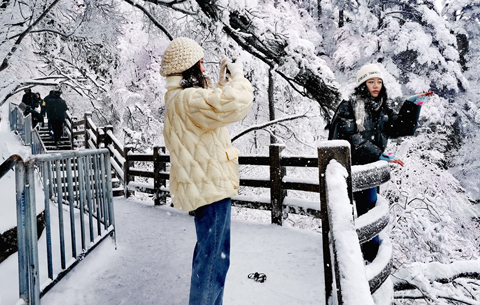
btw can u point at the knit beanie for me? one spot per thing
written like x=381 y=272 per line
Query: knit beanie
x=367 y=72
x=181 y=54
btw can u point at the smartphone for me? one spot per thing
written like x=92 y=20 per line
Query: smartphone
x=227 y=71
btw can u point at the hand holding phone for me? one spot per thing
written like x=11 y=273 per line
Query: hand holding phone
x=233 y=61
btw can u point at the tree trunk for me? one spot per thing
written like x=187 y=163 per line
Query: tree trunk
x=271 y=103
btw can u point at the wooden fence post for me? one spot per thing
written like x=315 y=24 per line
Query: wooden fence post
x=126 y=168
x=277 y=195
x=107 y=140
x=72 y=137
x=97 y=135
x=87 y=126
x=101 y=133
x=160 y=197
x=327 y=151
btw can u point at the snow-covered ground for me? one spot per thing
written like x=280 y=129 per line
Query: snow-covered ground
x=152 y=262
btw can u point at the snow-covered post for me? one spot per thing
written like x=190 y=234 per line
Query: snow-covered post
x=28 y=129
x=101 y=134
x=277 y=195
x=351 y=284
x=88 y=115
x=159 y=197
x=340 y=151
x=126 y=171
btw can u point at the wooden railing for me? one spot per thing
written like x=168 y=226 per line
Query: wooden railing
x=130 y=166
x=347 y=280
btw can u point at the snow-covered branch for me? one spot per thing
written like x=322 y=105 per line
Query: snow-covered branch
x=272 y=50
x=47 y=30
x=4 y=64
x=264 y=125
x=151 y=17
x=171 y=4
x=415 y=280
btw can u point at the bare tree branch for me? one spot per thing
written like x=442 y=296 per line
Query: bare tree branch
x=24 y=34
x=46 y=30
x=262 y=126
x=151 y=17
x=171 y=5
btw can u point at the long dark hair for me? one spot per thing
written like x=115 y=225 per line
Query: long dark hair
x=194 y=77
x=361 y=91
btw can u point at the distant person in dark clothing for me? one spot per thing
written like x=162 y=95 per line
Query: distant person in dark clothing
x=45 y=101
x=55 y=107
x=31 y=102
x=29 y=99
x=36 y=116
x=43 y=107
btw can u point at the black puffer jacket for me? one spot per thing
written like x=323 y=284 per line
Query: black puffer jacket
x=55 y=106
x=380 y=125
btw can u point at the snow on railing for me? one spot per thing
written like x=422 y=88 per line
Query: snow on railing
x=350 y=285
x=125 y=162
x=347 y=280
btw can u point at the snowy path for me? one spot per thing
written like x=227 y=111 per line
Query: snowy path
x=152 y=263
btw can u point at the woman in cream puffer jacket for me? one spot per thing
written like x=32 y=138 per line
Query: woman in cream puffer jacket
x=204 y=164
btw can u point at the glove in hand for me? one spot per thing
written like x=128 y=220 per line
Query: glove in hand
x=419 y=99
x=235 y=68
x=222 y=76
x=389 y=157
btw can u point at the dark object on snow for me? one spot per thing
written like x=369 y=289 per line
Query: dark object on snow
x=258 y=277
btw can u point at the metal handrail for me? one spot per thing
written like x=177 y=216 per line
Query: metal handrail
x=83 y=180
x=9 y=164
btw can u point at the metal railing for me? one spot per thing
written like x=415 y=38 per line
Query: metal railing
x=22 y=125
x=18 y=122
x=74 y=181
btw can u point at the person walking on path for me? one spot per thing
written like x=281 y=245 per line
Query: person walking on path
x=55 y=108
x=29 y=99
x=204 y=164
x=366 y=121
x=30 y=102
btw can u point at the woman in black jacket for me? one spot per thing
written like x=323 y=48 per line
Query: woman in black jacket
x=367 y=122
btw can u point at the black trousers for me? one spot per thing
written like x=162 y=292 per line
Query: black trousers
x=57 y=128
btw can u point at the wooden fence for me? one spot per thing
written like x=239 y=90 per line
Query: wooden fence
x=125 y=164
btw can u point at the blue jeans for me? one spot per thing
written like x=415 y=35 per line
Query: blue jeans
x=211 y=257
x=365 y=201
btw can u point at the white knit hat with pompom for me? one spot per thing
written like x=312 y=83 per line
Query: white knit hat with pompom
x=181 y=54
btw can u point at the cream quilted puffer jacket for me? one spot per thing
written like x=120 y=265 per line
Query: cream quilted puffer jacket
x=204 y=164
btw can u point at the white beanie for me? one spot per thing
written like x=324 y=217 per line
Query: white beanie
x=367 y=72
x=181 y=54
